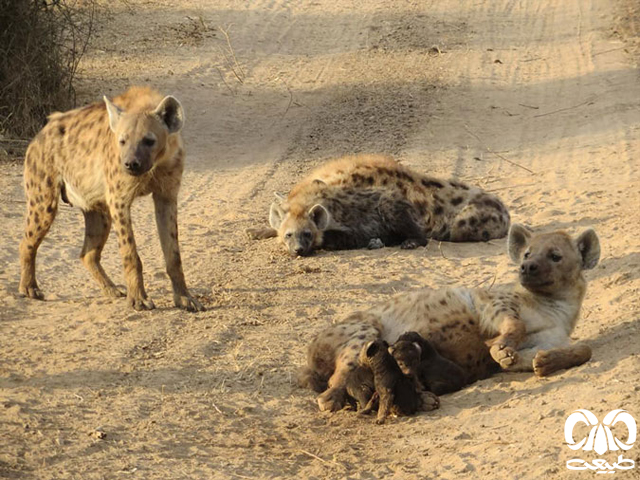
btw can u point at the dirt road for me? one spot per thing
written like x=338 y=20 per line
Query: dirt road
x=534 y=100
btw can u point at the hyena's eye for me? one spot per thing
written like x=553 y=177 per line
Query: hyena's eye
x=148 y=141
x=555 y=257
x=288 y=235
x=527 y=254
x=306 y=234
x=122 y=141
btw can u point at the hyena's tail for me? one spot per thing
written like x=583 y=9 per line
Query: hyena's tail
x=309 y=378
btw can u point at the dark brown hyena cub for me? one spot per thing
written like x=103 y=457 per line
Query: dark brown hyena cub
x=397 y=393
x=360 y=387
x=417 y=358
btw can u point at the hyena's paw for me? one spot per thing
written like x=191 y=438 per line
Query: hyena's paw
x=412 y=244
x=141 y=303
x=505 y=356
x=381 y=419
x=365 y=411
x=113 y=292
x=187 y=302
x=430 y=401
x=260 y=233
x=332 y=400
x=409 y=244
x=544 y=363
x=32 y=292
x=375 y=244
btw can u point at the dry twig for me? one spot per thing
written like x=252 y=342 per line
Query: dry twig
x=563 y=109
x=502 y=157
x=321 y=459
x=441 y=252
x=235 y=67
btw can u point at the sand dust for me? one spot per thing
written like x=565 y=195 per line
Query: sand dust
x=536 y=101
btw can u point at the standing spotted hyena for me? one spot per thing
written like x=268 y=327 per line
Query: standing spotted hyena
x=521 y=328
x=100 y=158
x=372 y=200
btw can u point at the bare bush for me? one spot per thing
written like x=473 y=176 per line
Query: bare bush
x=41 y=43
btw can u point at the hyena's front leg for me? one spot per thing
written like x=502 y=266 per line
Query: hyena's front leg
x=385 y=405
x=120 y=210
x=503 y=348
x=261 y=233
x=97 y=226
x=167 y=221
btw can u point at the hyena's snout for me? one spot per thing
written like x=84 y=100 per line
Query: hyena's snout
x=137 y=163
x=300 y=245
x=535 y=273
x=529 y=269
x=138 y=159
x=301 y=251
x=134 y=166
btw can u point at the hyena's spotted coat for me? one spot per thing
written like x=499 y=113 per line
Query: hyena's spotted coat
x=100 y=158
x=425 y=207
x=526 y=328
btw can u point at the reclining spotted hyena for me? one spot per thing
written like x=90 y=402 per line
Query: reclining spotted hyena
x=521 y=328
x=371 y=201
x=100 y=158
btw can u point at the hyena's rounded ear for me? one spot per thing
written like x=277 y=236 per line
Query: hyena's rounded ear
x=519 y=237
x=320 y=216
x=114 y=112
x=418 y=347
x=276 y=215
x=589 y=247
x=280 y=196
x=372 y=348
x=171 y=113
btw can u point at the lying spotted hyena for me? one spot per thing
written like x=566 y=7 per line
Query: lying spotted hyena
x=372 y=201
x=100 y=158
x=522 y=328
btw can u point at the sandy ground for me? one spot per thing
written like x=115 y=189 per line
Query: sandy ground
x=537 y=101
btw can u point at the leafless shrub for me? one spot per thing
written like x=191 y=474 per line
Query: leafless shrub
x=41 y=44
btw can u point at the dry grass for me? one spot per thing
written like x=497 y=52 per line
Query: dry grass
x=41 y=44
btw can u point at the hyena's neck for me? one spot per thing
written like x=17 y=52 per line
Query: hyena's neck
x=383 y=365
x=563 y=308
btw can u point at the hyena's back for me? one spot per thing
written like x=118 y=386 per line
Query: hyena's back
x=451 y=209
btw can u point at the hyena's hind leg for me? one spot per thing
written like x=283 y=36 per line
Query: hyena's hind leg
x=345 y=341
x=42 y=190
x=547 y=362
x=97 y=227
x=482 y=219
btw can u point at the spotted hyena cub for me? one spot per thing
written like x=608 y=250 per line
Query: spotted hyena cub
x=525 y=327
x=99 y=158
x=395 y=392
x=372 y=201
x=417 y=358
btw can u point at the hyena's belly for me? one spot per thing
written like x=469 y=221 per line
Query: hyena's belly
x=447 y=319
